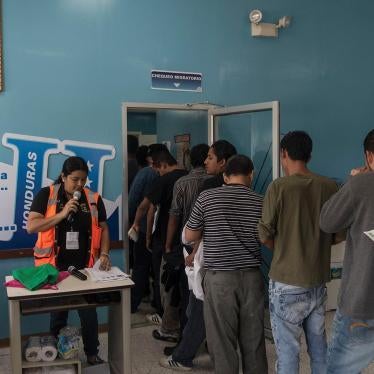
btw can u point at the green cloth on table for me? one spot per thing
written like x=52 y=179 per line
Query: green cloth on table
x=35 y=277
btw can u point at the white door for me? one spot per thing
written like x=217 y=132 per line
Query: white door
x=254 y=130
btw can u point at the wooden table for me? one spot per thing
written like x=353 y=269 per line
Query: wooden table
x=72 y=294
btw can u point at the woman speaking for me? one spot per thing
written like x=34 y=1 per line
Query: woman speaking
x=72 y=231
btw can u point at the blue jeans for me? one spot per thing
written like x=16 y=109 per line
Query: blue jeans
x=292 y=311
x=351 y=348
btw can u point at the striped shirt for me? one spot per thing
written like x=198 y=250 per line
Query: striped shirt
x=228 y=217
x=186 y=190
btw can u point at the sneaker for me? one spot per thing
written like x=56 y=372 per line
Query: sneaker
x=169 y=363
x=166 y=337
x=94 y=360
x=154 y=318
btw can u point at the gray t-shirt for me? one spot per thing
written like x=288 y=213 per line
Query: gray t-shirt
x=352 y=208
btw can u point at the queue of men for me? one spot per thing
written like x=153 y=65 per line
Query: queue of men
x=300 y=217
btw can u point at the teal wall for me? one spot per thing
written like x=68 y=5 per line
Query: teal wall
x=179 y=122
x=143 y=122
x=70 y=63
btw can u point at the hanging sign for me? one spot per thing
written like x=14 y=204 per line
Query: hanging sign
x=176 y=81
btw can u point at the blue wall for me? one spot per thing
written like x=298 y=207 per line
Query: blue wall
x=143 y=122
x=179 y=122
x=70 y=63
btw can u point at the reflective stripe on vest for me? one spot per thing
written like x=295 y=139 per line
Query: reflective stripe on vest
x=43 y=252
x=45 y=247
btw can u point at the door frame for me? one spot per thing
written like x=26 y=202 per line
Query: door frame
x=214 y=112
x=273 y=106
x=144 y=107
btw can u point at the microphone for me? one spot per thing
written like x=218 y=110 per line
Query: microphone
x=76 y=273
x=76 y=197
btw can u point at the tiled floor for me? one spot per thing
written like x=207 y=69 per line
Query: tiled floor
x=147 y=351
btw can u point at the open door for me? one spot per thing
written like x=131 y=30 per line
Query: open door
x=252 y=128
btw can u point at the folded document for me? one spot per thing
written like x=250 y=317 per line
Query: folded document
x=114 y=274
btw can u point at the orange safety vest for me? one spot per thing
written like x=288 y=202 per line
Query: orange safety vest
x=45 y=250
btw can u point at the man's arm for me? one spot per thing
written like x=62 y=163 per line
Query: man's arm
x=141 y=212
x=150 y=221
x=193 y=235
x=190 y=258
x=337 y=212
x=176 y=210
x=268 y=222
x=195 y=224
x=173 y=225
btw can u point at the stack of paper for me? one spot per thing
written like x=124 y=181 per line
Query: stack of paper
x=114 y=274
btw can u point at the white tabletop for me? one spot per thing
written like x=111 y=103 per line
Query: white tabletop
x=69 y=285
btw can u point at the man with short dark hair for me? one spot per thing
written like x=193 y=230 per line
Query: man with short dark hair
x=352 y=208
x=215 y=163
x=301 y=260
x=160 y=196
x=226 y=219
x=186 y=191
x=142 y=183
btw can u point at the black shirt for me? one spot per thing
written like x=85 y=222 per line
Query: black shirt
x=80 y=223
x=213 y=182
x=162 y=195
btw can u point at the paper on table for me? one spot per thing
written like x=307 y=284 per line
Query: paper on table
x=97 y=275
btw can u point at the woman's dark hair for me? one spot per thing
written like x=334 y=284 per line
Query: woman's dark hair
x=239 y=165
x=223 y=150
x=298 y=145
x=198 y=155
x=70 y=165
x=141 y=156
x=369 y=142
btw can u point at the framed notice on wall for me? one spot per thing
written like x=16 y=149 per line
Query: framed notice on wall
x=182 y=143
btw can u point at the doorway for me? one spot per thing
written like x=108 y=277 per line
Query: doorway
x=252 y=128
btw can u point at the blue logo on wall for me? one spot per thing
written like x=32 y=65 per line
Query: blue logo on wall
x=22 y=180
x=176 y=81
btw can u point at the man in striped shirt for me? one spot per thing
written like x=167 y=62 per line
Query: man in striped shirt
x=226 y=219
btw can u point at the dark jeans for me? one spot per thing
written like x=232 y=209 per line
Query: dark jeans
x=140 y=272
x=193 y=333
x=157 y=250
x=184 y=302
x=89 y=324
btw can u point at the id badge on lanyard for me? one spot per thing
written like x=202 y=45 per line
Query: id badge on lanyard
x=72 y=240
